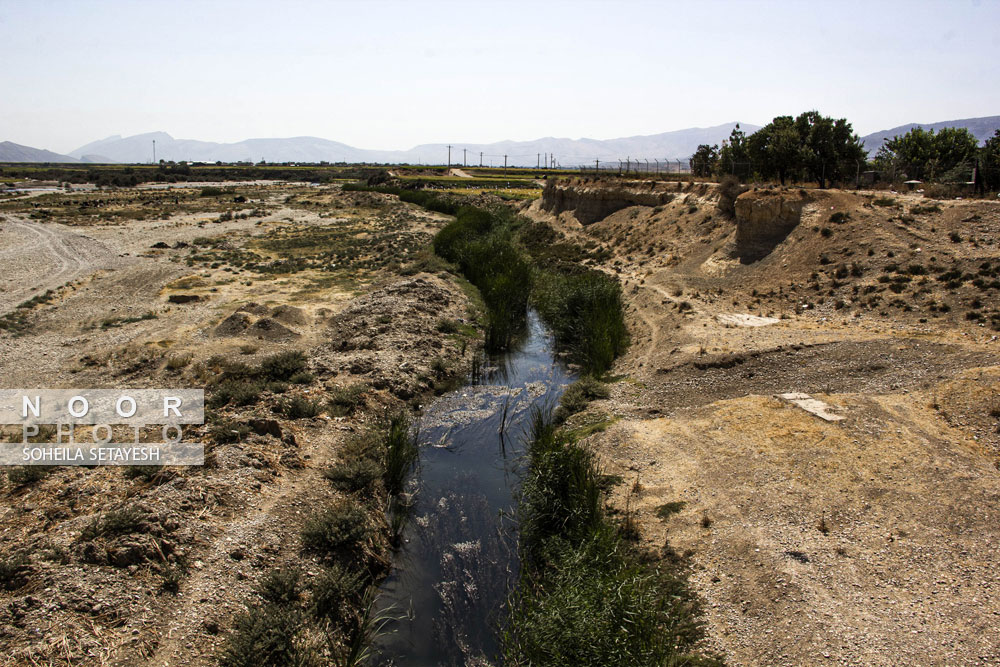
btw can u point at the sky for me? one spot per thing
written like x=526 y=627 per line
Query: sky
x=391 y=75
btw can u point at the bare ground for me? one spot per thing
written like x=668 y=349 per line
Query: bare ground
x=866 y=541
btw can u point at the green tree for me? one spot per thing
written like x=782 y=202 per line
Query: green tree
x=776 y=149
x=829 y=149
x=705 y=160
x=923 y=154
x=821 y=148
x=733 y=157
x=989 y=162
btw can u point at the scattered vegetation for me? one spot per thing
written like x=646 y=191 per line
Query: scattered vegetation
x=115 y=522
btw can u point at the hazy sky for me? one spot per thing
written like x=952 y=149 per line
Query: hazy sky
x=391 y=75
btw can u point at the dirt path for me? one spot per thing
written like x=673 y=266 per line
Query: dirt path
x=45 y=256
x=460 y=174
x=256 y=537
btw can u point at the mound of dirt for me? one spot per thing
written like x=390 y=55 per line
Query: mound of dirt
x=242 y=323
x=253 y=308
x=267 y=329
x=236 y=324
x=289 y=314
x=368 y=339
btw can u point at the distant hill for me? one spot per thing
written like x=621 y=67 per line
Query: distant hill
x=983 y=128
x=11 y=152
x=679 y=144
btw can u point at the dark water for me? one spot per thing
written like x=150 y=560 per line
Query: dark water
x=451 y=576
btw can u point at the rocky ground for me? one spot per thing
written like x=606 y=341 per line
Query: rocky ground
x=868 y=539
x=124 y=566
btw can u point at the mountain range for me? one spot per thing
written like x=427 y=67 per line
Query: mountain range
x=668 y=145
x=11 y=152
x=678 y=144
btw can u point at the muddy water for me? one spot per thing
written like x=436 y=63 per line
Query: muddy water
x=451 y=576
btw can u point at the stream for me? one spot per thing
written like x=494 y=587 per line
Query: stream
x=458 y=559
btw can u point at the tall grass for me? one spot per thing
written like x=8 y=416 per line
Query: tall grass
x=586 y=597
x=586 y=314
x=400 y=451
x=482 y=244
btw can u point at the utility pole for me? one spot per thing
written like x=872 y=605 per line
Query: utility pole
x=464 y=164
x=449 y=156
x=154 y=151
x=597 y=166
x=546 y=160
x=538 y=160
x=480 y=159
x=504 y=165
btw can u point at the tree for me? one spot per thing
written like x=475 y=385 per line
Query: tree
x=923 y=154
x=829 y=149
x=989 y=162
x=822 y=148
x=705 y=160
x=733 y=157
x=775 y=148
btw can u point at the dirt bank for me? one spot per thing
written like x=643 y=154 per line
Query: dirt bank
x=868 y=540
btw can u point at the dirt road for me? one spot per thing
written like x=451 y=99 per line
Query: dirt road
x=39 y=256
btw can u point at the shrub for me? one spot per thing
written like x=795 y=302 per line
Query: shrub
x=179 y=361
x=226 y=431
x=340 y=527
x=334 y=591
x=447 y=326
x=345 y=400
x=283 y=366
x=302 y=377
x=27 y=475
x=116 y=522
x=353 y=476
x=579 y=394
x=300 y=407
x=666 y=510
x=235 y=392
x=281 y=586
x=840 y=217
x=266 y=636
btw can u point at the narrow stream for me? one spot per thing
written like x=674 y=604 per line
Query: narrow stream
x=459 y=554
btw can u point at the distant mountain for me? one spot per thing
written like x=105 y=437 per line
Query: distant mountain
x=11 y=152
x=678 y=144
x=983 y=128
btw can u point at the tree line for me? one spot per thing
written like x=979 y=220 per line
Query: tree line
x=816 y=148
